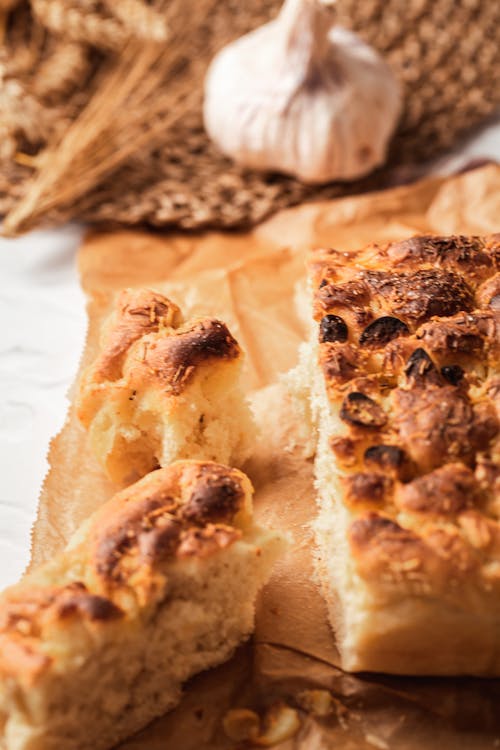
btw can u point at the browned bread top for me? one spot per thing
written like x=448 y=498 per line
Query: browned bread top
x=136 y=313
x=119 y=562
x=170 y=361
x=145 y=344
x=411 y=280
x=409 y=344
x=189 y=509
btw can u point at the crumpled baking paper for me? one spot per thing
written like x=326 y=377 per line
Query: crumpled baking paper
x=250 y=281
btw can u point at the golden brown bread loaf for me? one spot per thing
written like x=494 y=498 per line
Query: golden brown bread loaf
x=157 y=585
x=162 y=389
x=404 y=387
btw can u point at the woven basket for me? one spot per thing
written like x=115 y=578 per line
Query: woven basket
x=444 y=52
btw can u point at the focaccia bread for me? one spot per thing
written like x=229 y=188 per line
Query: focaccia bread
x=162 y=389
x=157 y=585
x=404 y=383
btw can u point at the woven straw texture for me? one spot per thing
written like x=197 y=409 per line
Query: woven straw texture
x=444 y=51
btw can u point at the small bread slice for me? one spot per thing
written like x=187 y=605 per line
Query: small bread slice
x=162 y=390
x=404 y=391
x=157 y=585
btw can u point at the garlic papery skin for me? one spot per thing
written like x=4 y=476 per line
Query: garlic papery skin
x=303 y=97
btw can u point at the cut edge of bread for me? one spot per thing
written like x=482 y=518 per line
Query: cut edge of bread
x=210 y=420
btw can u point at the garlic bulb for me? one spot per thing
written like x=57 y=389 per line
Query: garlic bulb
x=302 y=97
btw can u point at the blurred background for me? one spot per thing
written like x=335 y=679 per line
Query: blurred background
x=101 y=102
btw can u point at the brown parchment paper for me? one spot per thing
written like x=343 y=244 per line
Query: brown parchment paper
x=250 y=281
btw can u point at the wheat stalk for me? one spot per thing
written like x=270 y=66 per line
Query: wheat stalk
x=145 y=91
x=107 y=26
x=64 y=68
x=79 y=23
x=139 y=19
x=22 y=113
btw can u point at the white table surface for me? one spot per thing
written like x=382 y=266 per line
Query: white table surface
x=43 y=324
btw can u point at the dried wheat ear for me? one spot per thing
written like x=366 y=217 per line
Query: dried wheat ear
x=69 y=99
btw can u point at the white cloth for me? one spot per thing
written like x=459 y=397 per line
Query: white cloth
x=42 y=314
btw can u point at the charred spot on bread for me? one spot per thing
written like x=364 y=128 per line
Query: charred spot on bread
x=421 y=369
x=390 y=459
x=452 y=373
x=160 y=540
x=361 y=410
x=144 y=526
x=92 y=606
x=390 y=456
x=39 y=606
x=437 y=424
x=216 y=497
x=382 y=330
x=372 y=525
x=344 y=449
x=332 y=328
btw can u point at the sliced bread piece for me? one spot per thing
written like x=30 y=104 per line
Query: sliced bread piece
x=161 y=390
x=157 y=585
x=404 y=392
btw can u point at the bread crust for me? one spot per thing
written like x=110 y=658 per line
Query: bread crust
x=148 y=552
x=411 y=423
x=156 y=383
x=145 y=343
x=126 y=548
